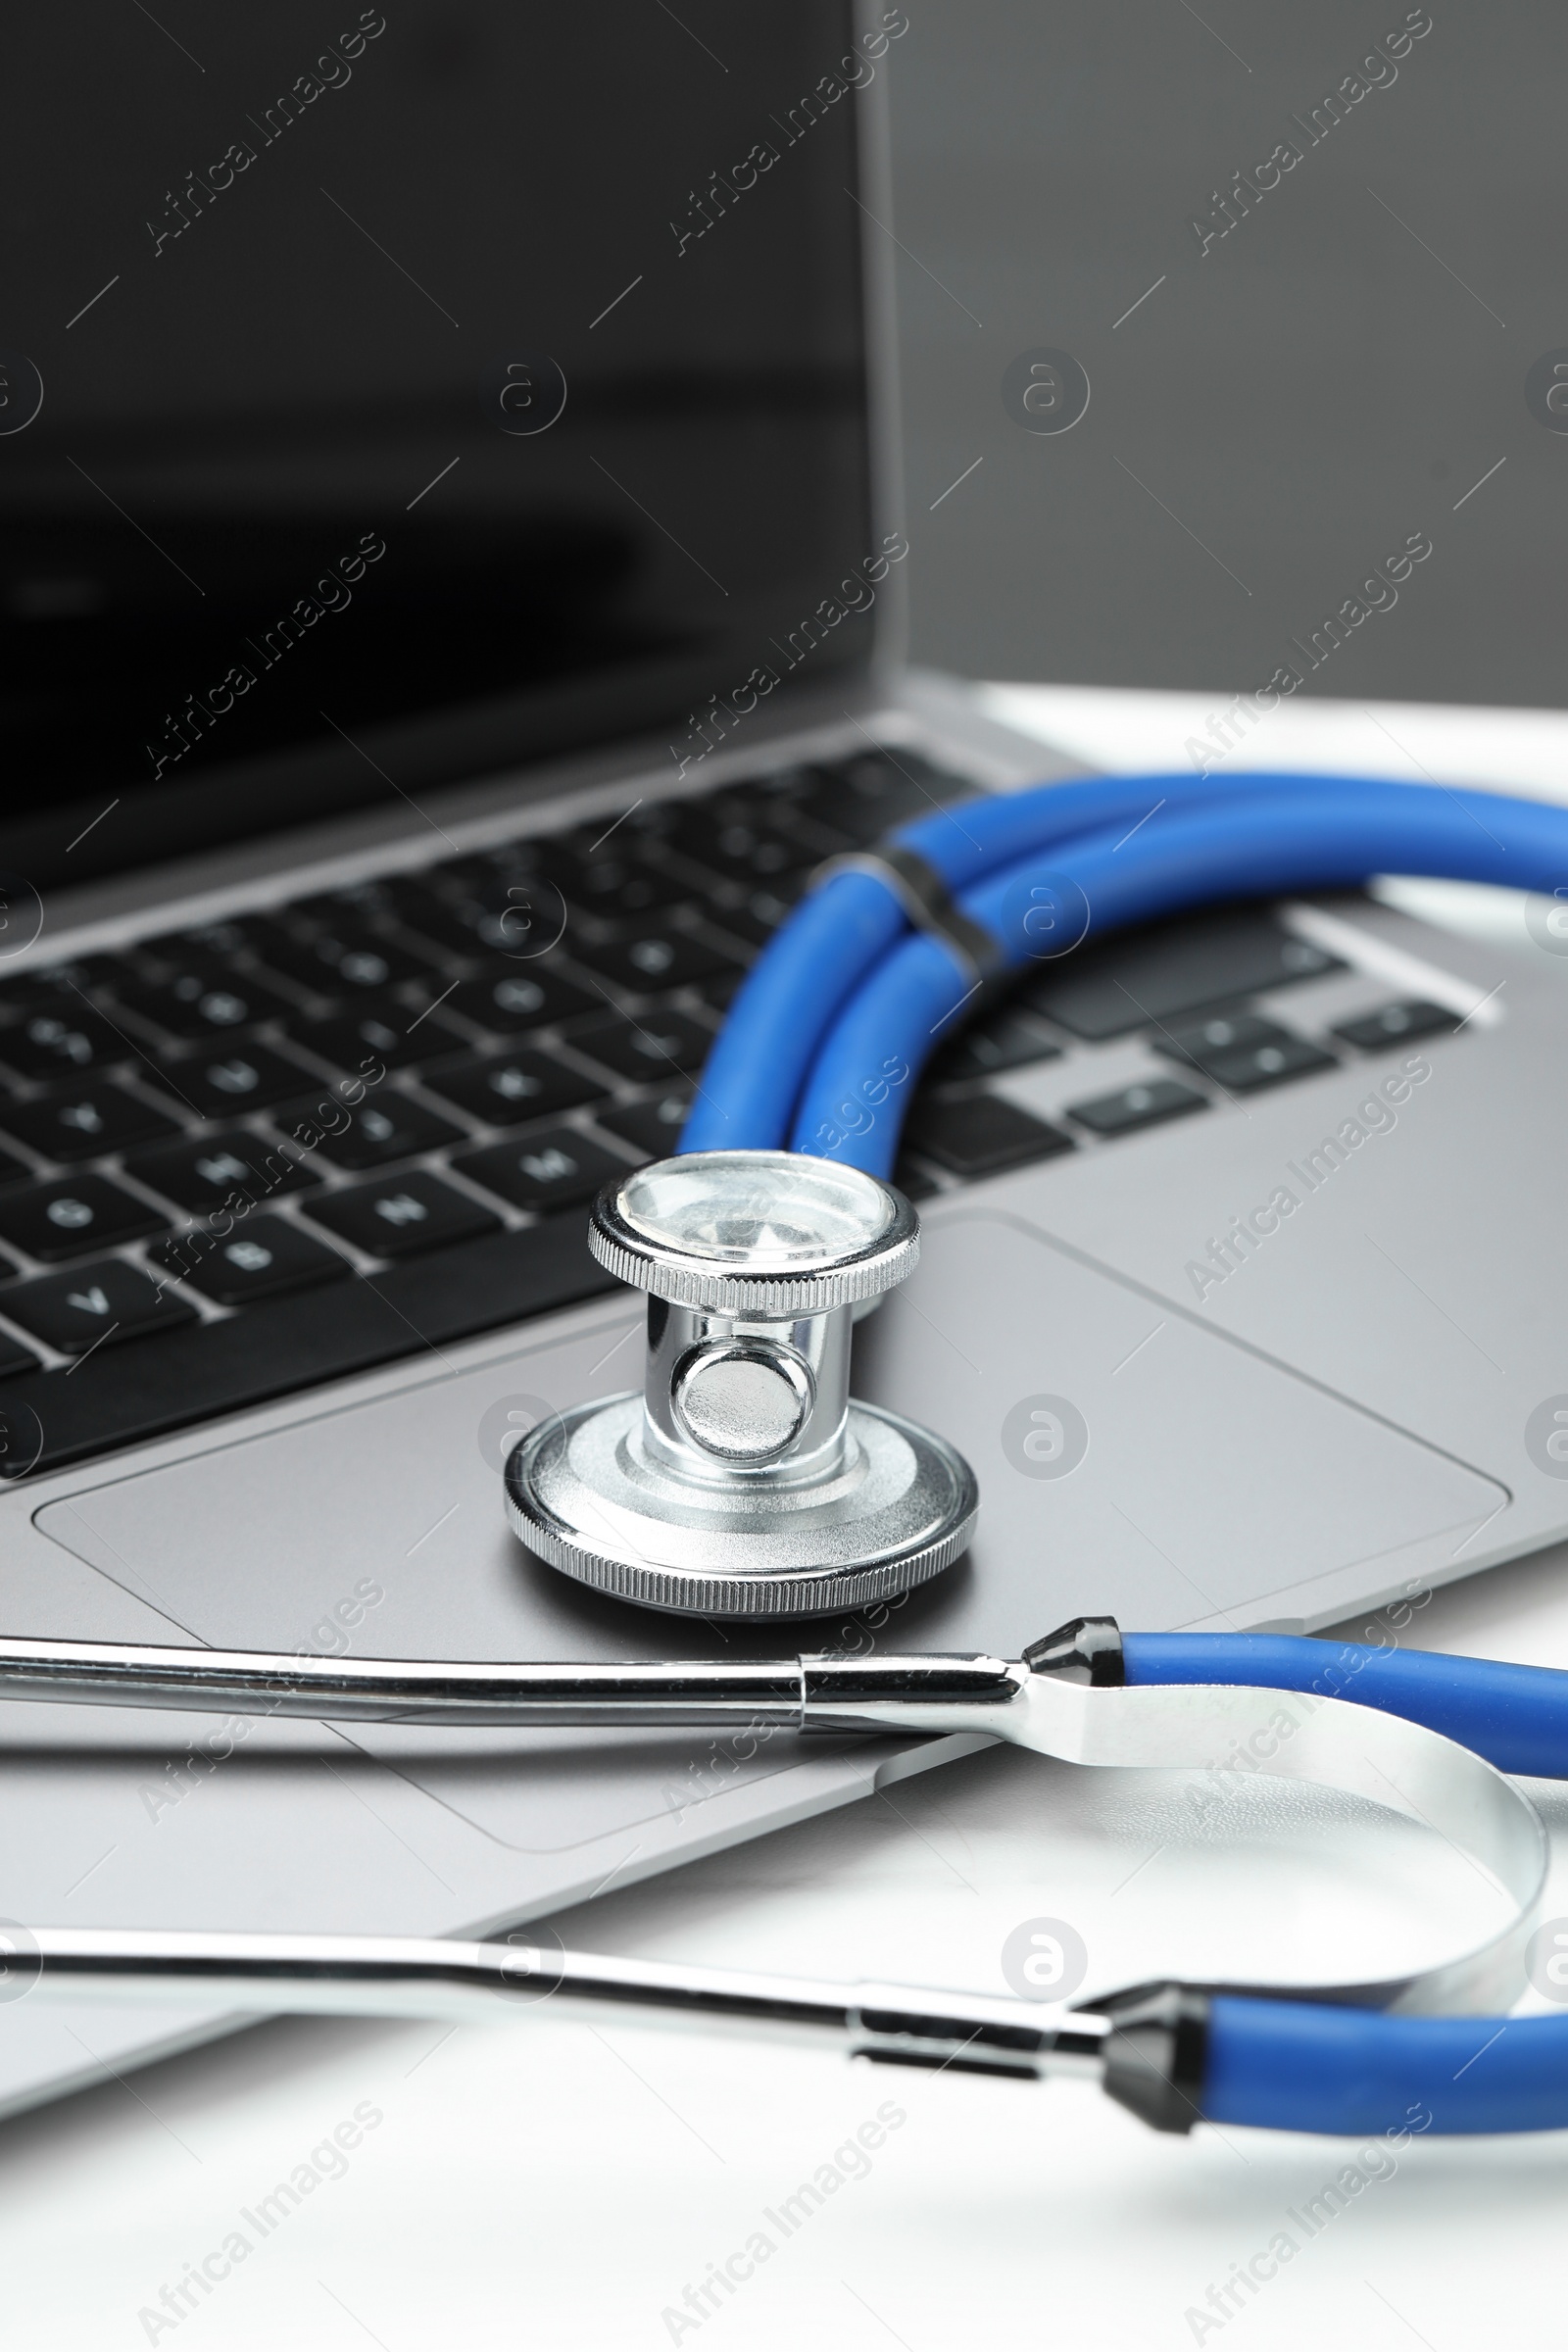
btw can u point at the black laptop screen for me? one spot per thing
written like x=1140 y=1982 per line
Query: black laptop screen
x=391 y=396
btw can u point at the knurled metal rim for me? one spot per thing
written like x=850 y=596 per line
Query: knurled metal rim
x=743 y=1597
x=695 y=1281
x=789 y=1593
x=686 y=1285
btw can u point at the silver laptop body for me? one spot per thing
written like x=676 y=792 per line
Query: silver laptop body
x=1188 y=1402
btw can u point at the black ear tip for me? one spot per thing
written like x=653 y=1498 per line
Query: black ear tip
x=1155 y=2053
x=1086 y=1650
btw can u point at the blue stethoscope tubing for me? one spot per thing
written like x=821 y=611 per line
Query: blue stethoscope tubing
x=848 y=990
x=1305 y=2066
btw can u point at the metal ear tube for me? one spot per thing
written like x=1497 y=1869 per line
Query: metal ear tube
x=1338 y=2058
x=1067 y=1697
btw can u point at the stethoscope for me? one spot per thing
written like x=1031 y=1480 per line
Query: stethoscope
x=743 y=1479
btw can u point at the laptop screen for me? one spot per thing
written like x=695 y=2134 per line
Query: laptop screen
x=390 y=396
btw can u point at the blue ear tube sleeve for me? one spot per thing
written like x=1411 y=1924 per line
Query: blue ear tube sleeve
x=827 y=1039
x=1303 y=2066
x=842 y=930
x=1515 y=1716
x=784 y=1007
x=966 y=843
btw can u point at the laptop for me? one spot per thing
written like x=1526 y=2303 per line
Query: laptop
x=451 y=586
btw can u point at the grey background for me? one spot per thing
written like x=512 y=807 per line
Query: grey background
x=1301 y=399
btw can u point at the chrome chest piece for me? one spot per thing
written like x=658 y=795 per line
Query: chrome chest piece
x=743 y=1480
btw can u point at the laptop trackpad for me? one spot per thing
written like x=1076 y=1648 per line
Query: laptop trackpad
x=378 y=1527
x=1131 y=1460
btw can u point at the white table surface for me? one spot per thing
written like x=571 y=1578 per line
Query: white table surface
x=542 y=2185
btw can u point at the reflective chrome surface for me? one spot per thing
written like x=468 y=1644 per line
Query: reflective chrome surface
x=767 y=1233
x=440 y=1692
x=813 y=1450
x=742 y=1399
x=586 y=1493
x=745 y=1483
x=390 y=1975
x=1217 y=1730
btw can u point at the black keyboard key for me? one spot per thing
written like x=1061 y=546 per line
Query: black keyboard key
x=1376 y=1032
x=83 y=1122
x=50 y=1043
x=346 y=963
x=1242 y=1051
x=912 y=1182
x=364 y=959
x=386 y=1127
x=760 y=913
x=122 y=1395
x=511 y=999
x=60 y=985
x=858 y=799
x=1144 y=1104
x=401 y=1214
x=455 y=928
x=382 y=1031
x=545 y=1172
x=243 y=1079
x=13 y=1170
x=508 y=1089
x=310 y=1118
x=51 y=1221
x=613 y=884
x=203 y=1177
x=1111 y=987
x=754 y=796
x=618 y=829
x=1008 y=1039
x=259 y=1259
x=655 y=956
x=733 y=843
x=720 y=992
x=212 y=944
x=744 y=923
x=532 y=921
x=1245 y=1072
x=204 y=1004
x=652 y=1128
x=981 y=1135
x=1204 y=1043
x=655 y=1045
x=101 y=1303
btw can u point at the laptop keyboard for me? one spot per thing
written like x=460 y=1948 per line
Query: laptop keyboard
x=295 y=1144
